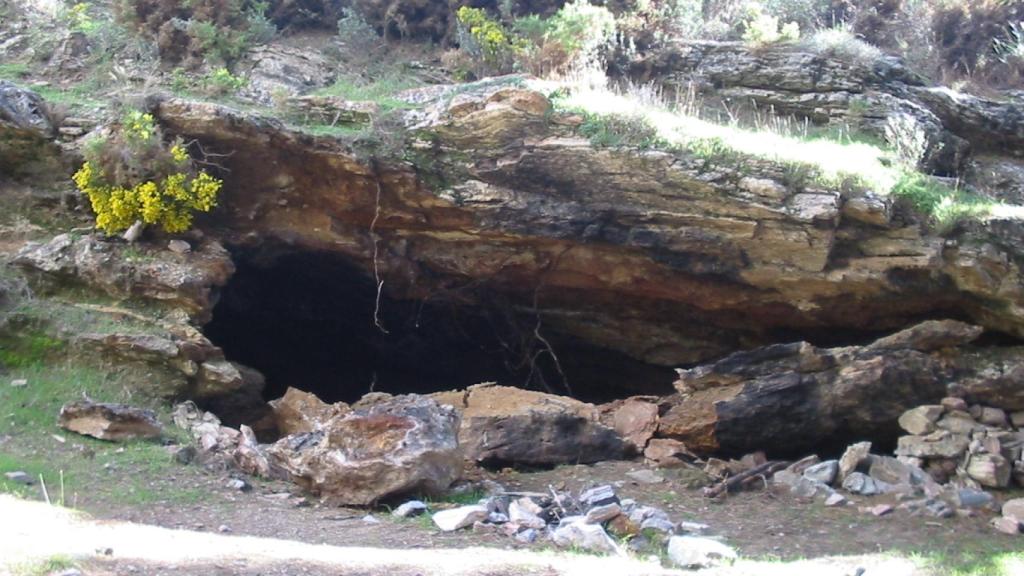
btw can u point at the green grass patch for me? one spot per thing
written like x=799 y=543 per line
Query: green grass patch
x=826 y=158
x=27 y=349
x=130 y=473
x=988 y=560
x=14 y=71
x=73 y=97
x=945 y=204
x=51 y=565
x=381 y=90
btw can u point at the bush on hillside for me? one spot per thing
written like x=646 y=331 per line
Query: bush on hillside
x=188 y=32
x=133 y=176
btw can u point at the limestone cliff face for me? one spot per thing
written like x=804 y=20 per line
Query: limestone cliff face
x=660 y=256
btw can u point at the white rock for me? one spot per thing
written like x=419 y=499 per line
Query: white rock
x=409 y=509
x=697 y=552
x=586 y=536
x=1014 y=509
x=458 y=518
x=18 y=477
x=19 y=383
x=693 y=527
x=825 y=472
x=179 y=246
x=519 y=513
x=836 y=499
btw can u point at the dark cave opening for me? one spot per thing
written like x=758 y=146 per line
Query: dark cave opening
x=306 y=320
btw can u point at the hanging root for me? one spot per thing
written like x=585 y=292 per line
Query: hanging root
x=376 y=258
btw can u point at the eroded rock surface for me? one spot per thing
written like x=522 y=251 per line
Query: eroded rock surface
x=108 y=421
x=504 y=425
x=398 y=445
x=184 y=281
x=796 y=395
x=644 y=253
x=27 y=130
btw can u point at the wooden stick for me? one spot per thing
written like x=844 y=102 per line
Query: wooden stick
x=733 y=481
x=46 y=494
x=62 y=488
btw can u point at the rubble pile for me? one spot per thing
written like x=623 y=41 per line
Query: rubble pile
x=953 y=453
x=595 y=519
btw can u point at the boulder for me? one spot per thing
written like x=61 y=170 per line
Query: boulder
x=27 y=131
x=1014 y=509
x=992 y=417
x=115 y=422
x=696 y=552
x=852 y=459
x=824 y=472
x=506 y=425
x=410 y=509
x=958 y=423
x=991 y=470
x=580 y=534
x=798 y=394
x=524 y=514
x=602 y=514
x=635 y=419
x=939 y=444
x=920 y=420
x=859 y=483
x=666 y=453
x=249 y=456
x=1006 y=525
x=298 y=412
x=400 y=445
x=458 y=518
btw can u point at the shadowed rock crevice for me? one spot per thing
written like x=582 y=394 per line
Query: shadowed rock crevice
x=306 y=320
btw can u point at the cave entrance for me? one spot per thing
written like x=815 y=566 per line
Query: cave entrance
x=306 y=320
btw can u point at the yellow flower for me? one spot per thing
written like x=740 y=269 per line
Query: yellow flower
x=179 y=153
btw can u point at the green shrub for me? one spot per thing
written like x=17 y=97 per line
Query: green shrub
x=133 y=176
x=356 y=33
x=619 y=130
x=762 y=29
x=577 y=33
x=842 y=44
x=222 y=82
x=189 y=32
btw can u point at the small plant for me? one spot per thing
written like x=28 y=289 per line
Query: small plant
x=842 y=44
x=617 y=130
x=133 y=176
x=356 y=33
x=944 y=205
x=78 y=19
x=222 y=82
x=763 y=29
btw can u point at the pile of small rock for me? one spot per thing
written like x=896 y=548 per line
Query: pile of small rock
x=973 y=446
x=953 y=452
x=587 y=521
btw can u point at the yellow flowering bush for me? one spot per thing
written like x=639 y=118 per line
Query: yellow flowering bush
x=133 y=176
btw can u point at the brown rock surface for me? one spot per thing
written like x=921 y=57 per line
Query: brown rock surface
x=795 y=395
x=508 y=425
x=107 y=421
x=640 y=253
x=404 y=444
x=297 y=412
